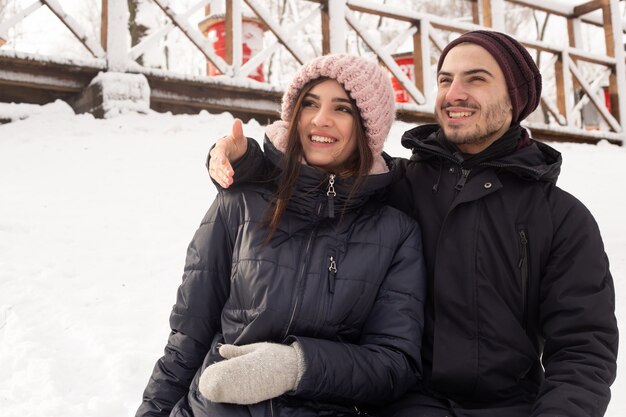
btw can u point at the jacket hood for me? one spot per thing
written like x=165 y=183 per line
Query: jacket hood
x=536 y=161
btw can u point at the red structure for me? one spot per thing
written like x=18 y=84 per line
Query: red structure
x=214 y=27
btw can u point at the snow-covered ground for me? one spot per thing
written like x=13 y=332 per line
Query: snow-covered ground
x=95 y=218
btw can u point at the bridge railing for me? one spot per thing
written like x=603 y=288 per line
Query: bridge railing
x=577 y=80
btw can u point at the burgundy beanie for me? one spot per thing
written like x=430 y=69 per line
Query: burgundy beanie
x=520 y=71
x=365 y=82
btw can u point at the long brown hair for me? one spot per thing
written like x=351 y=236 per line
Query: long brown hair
x=357 y=166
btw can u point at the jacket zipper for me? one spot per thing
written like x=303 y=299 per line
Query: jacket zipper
x=464 y=175
x=523 y=266
x=332 y=272
x=331 y=194
x=303 y=269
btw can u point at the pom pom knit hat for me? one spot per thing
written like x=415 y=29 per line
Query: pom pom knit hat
x=522 y=76
x=364 y=81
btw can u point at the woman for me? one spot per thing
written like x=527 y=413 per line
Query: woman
x=304 y=295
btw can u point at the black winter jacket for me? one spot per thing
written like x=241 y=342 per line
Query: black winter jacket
x=517 y=280
x=520 y=309
x=359 y=325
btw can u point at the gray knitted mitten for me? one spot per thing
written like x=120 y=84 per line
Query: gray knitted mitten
x=251 y=373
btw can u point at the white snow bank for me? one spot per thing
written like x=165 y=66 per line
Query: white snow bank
x=95 y=218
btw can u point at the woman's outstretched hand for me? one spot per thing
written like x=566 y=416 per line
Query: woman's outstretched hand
x=227 y=149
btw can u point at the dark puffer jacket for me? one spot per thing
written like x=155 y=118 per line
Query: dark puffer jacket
x=359 y=323
x=516 y=270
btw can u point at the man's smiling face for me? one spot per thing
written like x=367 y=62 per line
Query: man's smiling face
x=473 y=106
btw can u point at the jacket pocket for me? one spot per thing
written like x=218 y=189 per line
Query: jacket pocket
x=350 y=295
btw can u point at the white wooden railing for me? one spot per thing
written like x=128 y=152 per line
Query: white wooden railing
x=575 y=78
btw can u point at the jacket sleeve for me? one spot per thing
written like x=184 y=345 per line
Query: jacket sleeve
x=577 y=317
x=195 y=318
x=252 y=167
x=386 y=362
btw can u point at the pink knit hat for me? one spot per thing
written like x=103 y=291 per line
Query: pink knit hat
x=364 y=81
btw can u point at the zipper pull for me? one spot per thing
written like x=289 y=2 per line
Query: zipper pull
x=461 y=183
x=332 y=271
x=331 y=194
x=522 y=235
x=524 y=242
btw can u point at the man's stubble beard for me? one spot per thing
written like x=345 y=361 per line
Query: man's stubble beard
x=495 y=116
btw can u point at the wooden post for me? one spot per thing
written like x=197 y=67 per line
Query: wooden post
x=421 y=58
x=560 y=85
x=573 y=31
x=104 y=24
x=229 y=32
x=475 y=12
x=485 y=9
x=615 y=48
x=418 y=53
x=574 y=37
x=325 y=28
x=234 y=40
x=493 y=14
x=563 y=86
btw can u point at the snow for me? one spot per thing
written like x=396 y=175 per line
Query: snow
x=69 y=61
x=18 y=111
x=95 y=218
x=122 y=93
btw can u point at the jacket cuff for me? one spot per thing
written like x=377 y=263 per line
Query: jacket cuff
x=244 y=158
x=300 y=362
x=237 y=164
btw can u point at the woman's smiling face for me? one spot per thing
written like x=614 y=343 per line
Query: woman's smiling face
x=326 y=126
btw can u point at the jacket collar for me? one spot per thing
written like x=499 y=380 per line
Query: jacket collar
x=313 y=196
x=537 y=161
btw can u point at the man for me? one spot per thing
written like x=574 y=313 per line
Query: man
x=520 y=314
